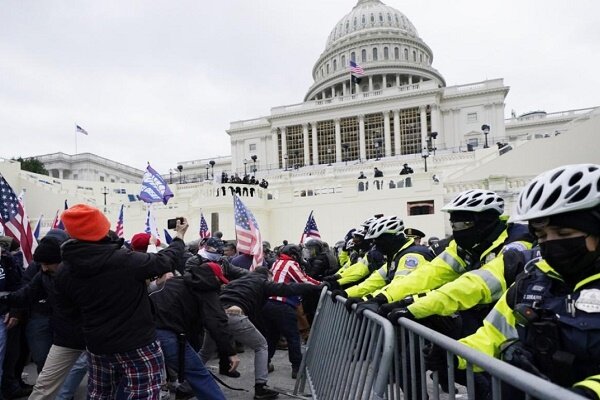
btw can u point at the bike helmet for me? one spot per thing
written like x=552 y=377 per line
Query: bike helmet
x=392 y=225
x=476 y=200
x=561 y=190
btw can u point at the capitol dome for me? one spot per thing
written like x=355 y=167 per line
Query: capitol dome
x=383 y=41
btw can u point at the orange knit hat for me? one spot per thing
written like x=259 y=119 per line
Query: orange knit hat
x=85 y=222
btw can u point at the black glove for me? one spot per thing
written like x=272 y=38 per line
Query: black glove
x=385 y=309
x=338 y=292
x=331 y=278
x=583 y=391
x=435 y=358
x=331 y=285
x=350 y=301
x=372 y=304
x=516 y=354
x=398 y=313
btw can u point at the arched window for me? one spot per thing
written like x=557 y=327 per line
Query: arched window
x=355 y=22
x=347 y=25
x=364 y=20
x=386 y=53
x=421 y=57
x=389 y=18
x=396 y=53
x=414 y=56
x=372 y=18
x=374 y=53
x=363 y=54
x=334 y=65
x=353 y=56
x=327 y=69
x=396 y=15
x=406 y=54
x=343 y=65
x=380 y=17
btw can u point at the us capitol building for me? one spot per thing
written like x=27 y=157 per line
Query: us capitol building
x=311 y=153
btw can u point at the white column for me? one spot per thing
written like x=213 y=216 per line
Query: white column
x=61 y=173
x=423 y=111
x=370 y=83
x=283 y=146
x=315 y=143
x=305 y=144
x=435 y=118
x=361 y=137
x=332 y=92
x=397 y=79
x=384 y=84
x=397 y=144
x=344 y=89
x=338 y=141
x=275 y=147
x=386 y=134
x=410 y=79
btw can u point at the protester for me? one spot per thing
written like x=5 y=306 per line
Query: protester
x=106 y=285
x=406 y=170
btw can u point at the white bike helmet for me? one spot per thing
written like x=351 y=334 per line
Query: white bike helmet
x=476 y=200
x=369 y=221
x=561 y=190
x=392 y=225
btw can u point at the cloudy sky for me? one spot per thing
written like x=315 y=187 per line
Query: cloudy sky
x=160 y=80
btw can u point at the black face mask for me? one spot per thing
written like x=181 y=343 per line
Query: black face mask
x=388 y=244
x=470 y=238
x=570 y=258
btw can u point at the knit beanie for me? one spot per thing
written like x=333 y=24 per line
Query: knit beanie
x=48 y=251
x=85 y=222
x=140 y=241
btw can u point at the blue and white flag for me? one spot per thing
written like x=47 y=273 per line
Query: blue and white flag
x=168 y=237
x=151 y=227
x=154 y=187
x=36 y=230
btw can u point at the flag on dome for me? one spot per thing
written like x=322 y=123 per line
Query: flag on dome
x=119 y=227
x=248 y=234
x=310 y=230
x=15 y=221
x=204 y=232
x=356 y=69
x=154 y=187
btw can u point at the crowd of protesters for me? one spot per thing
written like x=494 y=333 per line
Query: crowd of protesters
x=140 y=317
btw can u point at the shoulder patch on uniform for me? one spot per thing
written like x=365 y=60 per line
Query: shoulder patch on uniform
x=515 y=245
x=411 y=262
x=589 y=301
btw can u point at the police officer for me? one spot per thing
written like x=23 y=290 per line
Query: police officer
x=548 y=322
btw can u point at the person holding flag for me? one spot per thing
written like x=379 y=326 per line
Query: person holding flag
x=15 y=221
x=249 y=241
x=310 y=230
x=204 y=232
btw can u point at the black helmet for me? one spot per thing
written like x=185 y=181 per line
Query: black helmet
x=292 y=250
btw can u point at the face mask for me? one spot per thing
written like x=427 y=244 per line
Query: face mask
x=469 y=238
x=388 y=244
x=209 y=256
x=569 y=257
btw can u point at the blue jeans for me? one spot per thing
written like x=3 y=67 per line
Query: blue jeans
x=39 y=338
x=76 y=375
x=195 y=372
x=280 y=320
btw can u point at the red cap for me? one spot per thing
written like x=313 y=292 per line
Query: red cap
x=218 y=271
x=140 y=241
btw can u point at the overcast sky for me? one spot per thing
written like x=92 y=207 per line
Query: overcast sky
x=160 y=80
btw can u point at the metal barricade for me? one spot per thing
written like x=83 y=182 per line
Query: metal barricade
x=347 y=357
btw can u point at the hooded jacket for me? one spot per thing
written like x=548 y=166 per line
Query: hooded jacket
x=105 y=284
x=189 y=303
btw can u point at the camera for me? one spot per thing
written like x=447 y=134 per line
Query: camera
x=172 y=223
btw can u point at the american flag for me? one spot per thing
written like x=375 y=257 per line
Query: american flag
x=15 y=221
x=356 y=69
x=57 y=223
x=119 y=227
x=248 y=235
x=310 y=230
x=38 y=226
x=204 y=232
x=80 y=129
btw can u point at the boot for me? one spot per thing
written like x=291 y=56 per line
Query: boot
x=262 y=391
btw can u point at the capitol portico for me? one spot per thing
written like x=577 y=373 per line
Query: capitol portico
x=399 y=111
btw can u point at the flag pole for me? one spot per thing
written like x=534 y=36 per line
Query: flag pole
x=75 y=139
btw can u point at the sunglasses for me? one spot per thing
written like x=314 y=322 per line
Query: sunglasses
x=461 y=225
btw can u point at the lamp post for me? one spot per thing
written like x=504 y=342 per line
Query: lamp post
x=486 y=131
x=212 y=168
x=207 y=167
x=345 y=147
x=180 y=168
x=104 y=192
x=431 y=141
x=285 y=164
x=245 y=171
x=254 y=158
x=170 y=176
x=425 y=154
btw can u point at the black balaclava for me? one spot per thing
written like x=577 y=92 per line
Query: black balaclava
x=389 y=244
x=477 y=238
x=570 y=257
